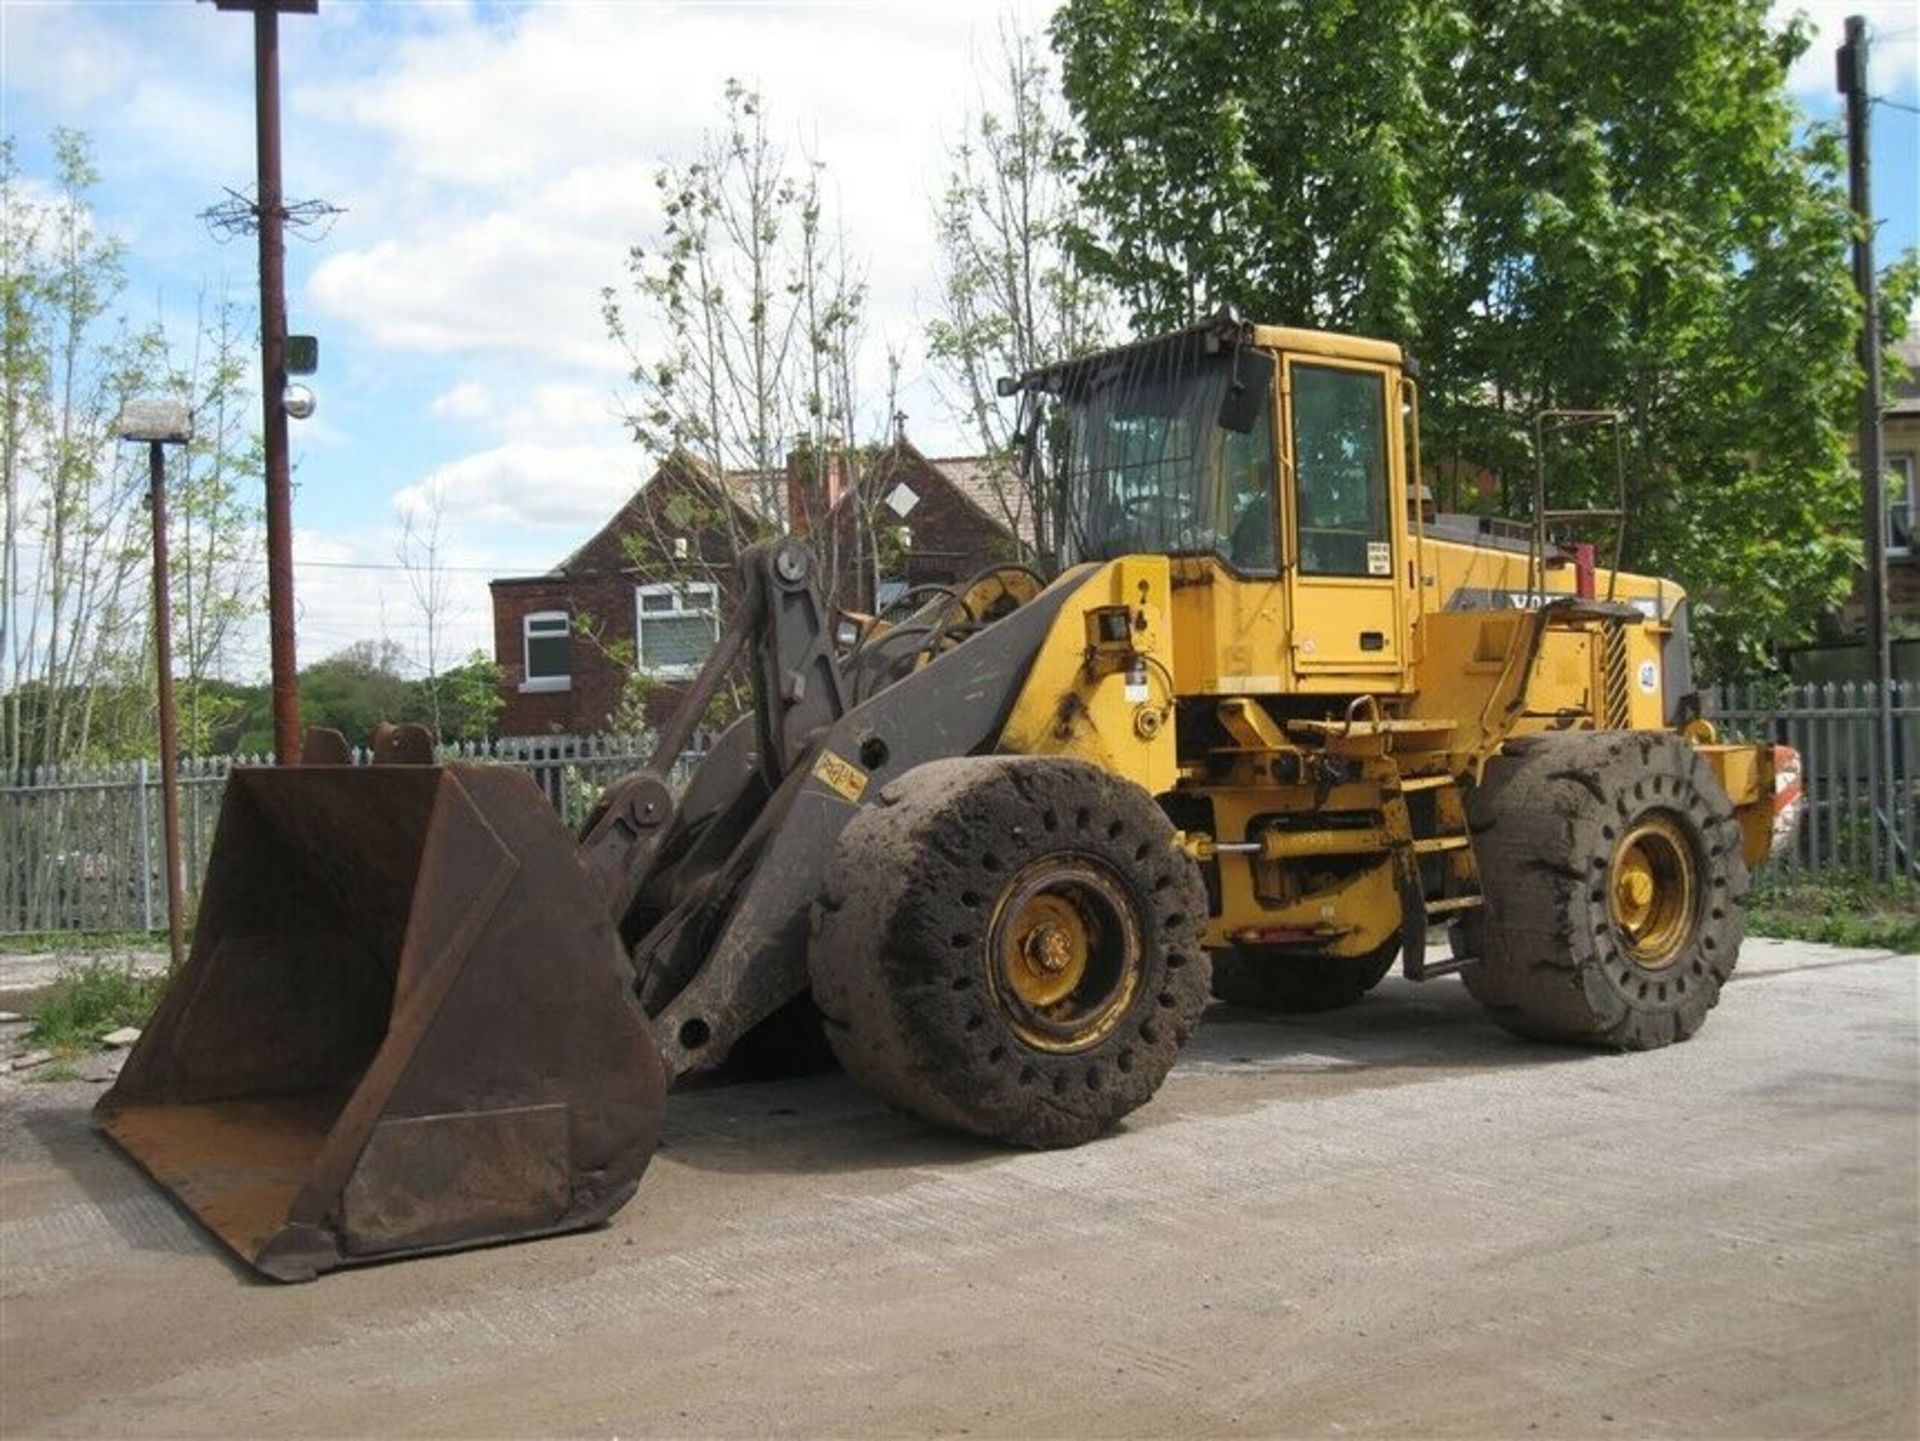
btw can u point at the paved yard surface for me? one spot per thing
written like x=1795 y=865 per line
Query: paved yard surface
x=1391 y=1220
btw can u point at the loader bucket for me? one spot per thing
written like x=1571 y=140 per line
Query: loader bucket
x=406 y=1025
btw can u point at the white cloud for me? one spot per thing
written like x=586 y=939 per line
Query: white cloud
x=469 y=400
x=552 y=410
x=1894 y=47
x=517 y=159
x=495 y=165
x=352 y=588
x=512 y=284
x=561 y=490
x=563 y=409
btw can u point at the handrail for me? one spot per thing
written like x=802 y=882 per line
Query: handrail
x=1537 y=541
x=1410 y=393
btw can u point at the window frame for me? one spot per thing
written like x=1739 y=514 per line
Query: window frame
x=1902 y=464
x=529 y=682
x=681 y=592
x=1290 y=470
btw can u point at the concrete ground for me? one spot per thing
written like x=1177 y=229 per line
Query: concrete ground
x=1391 y=1220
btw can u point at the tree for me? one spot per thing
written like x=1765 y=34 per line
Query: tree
x=1270 y=155
x=419 y=553
x=1598 y=203
x=215 y=554
x=73 y=629
x=749 y=313
x=355 y=689
x=467 y=699
x=75 y=536
x=1013 y=294
x=743 y=324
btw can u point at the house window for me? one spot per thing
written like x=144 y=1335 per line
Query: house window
x=548 y=667
x=676 y=627
x=1900 y=506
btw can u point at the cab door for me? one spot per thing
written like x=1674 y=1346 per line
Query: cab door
x=1344 y=533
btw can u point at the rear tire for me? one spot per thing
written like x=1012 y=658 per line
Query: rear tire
x=1267 y=979
x=1010 y=946
x=1615 y=888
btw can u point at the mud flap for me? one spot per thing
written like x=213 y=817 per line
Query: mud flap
x=407 y=1024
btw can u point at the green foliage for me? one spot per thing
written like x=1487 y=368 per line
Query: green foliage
x=470 y=699
x=37 y=943
x=355 y=689
x=215 y=519
x=87 y=1001
x=1593 y=203
x=742 y=321
x=72 y=533
x=76 y=639
x=1013 y=293
x=1840 y=912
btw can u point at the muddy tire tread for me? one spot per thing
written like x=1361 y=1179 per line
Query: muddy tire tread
x=898 y=954
x=1544 y=823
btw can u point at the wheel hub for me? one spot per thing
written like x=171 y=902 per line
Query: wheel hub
x=1064 y=953
x=1049 y=941
x=1653 y=895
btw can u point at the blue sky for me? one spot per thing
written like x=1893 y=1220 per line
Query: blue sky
x=494 y=163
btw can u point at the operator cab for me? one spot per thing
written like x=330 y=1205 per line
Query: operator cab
x=1271 y=459
x=1170 y=452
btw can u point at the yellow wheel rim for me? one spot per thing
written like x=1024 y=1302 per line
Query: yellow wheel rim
x=1653 y=891
x=1063 y=953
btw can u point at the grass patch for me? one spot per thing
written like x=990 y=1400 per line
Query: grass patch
x=1840 y=913
x=41 y=943
x=87 y=1001
x=53 y=1071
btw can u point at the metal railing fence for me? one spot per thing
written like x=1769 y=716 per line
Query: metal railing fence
x=81 y=848
x=1862 y=818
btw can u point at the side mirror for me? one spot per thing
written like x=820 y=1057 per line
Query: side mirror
x=1249 y=391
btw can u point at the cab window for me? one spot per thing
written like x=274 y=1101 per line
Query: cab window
x=1152 y=468
x=1340 y=470
x=1247 y=531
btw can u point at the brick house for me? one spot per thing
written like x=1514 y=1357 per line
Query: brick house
x=1902 y=442
x=650 y=590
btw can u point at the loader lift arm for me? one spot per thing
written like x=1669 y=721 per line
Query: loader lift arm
x=782 y=624
x=731 y=948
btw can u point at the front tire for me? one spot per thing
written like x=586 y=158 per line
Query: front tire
x=1010 y=946
x=1615 y=888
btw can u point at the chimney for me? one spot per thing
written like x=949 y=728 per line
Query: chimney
x=813 y=486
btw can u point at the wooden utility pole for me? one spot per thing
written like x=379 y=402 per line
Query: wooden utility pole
x=1852 y=58
x=270 y=207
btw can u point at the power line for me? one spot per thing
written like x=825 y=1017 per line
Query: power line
x=493 y=570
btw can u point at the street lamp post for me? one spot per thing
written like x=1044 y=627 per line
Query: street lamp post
x=158 y=424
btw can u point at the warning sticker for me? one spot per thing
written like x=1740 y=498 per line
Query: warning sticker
x=1379 y=558
x=1649 y=677
x=841 y=775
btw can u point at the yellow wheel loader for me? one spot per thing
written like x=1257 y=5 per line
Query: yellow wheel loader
x=1272 y=722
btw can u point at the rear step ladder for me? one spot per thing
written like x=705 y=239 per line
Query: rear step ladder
x=1418 y=911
